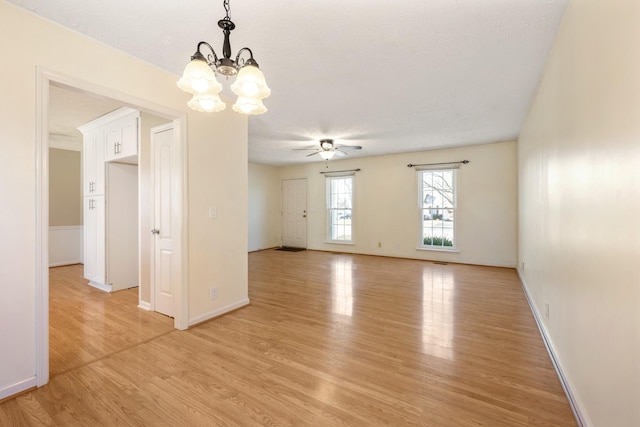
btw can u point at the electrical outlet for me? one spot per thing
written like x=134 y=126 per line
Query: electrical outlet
x=213 y=293
x=546 y=310
x=379 y=244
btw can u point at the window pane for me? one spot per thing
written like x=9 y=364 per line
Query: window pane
x=339 y=200
x=437 y=190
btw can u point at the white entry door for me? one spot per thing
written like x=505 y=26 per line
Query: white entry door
x=294 y=213
x=165 y=271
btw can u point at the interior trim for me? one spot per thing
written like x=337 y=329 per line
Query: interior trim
x=219 y=311
x=44 y=78
x=20 y=387
x=574 y=401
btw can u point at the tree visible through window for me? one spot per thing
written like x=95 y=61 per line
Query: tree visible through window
x=339 y=207
x=437 y=208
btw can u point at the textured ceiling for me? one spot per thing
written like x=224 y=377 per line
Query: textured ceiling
x=388 y=75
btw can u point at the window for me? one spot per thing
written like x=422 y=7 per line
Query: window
x=339 y=208
x=437 y=208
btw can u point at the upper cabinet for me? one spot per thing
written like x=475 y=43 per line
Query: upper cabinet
x=118 y=133
x=93 y=161
x=121 y=140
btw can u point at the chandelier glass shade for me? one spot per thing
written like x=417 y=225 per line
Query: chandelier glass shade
x=199 y=77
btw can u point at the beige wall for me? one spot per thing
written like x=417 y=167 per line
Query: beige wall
x=216 y=173
x=264 y=207
x=65 y=190
x=217 y=178
x=386 y=204
x=579 y=175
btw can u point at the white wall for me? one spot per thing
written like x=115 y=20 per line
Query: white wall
x=579 y=175
x=386 y=204
x=264 y=207
x=217 y=173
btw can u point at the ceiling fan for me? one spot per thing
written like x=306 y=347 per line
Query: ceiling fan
x=328 y=149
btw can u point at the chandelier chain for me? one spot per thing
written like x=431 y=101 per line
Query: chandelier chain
x=226 y=8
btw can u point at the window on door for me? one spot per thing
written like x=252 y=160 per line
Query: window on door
x=340 y=208
x=437 y=208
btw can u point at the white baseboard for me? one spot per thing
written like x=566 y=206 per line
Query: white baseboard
x=219 y=311
x=144 y=305
x=574 y=401
x=101 y=286
x=16 y=388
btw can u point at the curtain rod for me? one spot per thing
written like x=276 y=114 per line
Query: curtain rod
x=463 y=162
x=349 y=170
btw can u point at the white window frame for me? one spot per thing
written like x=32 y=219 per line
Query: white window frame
x=330 y=209
x=454 y=209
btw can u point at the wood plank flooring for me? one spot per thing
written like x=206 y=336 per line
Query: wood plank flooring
x=87 y=324
x=328 y=340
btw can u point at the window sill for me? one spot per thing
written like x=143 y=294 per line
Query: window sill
x=423 y=248
x=337 y=242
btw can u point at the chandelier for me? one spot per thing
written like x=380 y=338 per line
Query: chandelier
x=199 y=77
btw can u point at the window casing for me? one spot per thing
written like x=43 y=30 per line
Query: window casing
x=437 y=208
x=340 y=209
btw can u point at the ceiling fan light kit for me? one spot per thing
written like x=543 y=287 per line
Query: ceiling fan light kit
x=199 y=76
x=328 y=149
x=327 y=155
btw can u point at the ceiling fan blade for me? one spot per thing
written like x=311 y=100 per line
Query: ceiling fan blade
x=305 y=149
x=350 y=147
x=340 y=153
x=312 y=154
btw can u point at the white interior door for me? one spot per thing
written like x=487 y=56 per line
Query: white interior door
x=294 y=213
x=165 y=272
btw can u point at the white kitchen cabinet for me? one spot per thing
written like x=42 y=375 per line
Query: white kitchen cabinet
x=94 y=241
x=121 y=139
x=93 y=163
x=110 y=200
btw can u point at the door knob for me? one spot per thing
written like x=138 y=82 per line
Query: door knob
x=155 y=231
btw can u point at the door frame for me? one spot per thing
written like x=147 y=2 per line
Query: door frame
x=44 y=78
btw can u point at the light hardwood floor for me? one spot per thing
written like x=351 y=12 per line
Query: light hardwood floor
x=328 y=340
x=87 y=324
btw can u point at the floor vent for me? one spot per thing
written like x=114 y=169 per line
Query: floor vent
x=441 y=263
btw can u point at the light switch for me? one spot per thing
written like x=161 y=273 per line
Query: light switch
x=213 y=213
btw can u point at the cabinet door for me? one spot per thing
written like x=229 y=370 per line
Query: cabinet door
x=129 y=137
x=93 y=159
x=94 y=239
x=121 y=139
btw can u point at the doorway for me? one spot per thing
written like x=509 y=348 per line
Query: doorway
x=45 y=80
x=294 y=213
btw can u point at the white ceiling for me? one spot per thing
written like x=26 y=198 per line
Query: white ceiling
x=392 y=76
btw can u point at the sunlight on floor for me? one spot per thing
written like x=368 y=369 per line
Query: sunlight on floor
x=437 y=312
